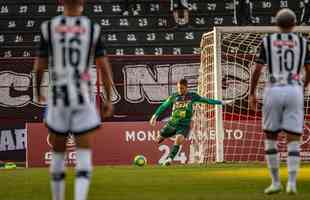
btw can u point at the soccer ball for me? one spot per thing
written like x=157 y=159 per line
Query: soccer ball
x=9 y=165
x=140 y=160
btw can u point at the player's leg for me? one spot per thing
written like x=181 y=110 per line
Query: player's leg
x=57 y=124
x=293 y=121
x=179 y=140
x=166 y=132
x=83 y=165
x=57 y=166
x=272 y=117
x=181 y=133
x=293 y=162
x=85 y=123
x=273 y=162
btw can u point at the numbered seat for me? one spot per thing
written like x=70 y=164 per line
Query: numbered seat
x=149 y=29
x=21 y=24
x=153 y=37
x=158 y=50
x=213 y=7
x=11 y=24
x=262 y=20
x=20 y=39
x=17 y=51
x=140 y=8
x=272 y=6
x=103 y=9
x=30 y=9
x=134 y=22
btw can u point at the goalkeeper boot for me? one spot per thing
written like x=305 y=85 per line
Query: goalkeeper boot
x=273 y=189
x=167 y=162
x=291 y=189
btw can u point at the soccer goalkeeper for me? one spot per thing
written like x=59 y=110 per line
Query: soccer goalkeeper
x=182 y=112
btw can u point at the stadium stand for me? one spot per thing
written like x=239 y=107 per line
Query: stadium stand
x=151 y=31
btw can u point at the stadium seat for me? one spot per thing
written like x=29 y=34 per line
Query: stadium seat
x=152 y=24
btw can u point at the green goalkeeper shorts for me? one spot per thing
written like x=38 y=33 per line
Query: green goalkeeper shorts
x=168 y=130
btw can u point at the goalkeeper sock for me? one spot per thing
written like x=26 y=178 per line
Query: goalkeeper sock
x=174 y=151
x=273 y=160
x=57 y=170
x=83 y=170
x=293 y=161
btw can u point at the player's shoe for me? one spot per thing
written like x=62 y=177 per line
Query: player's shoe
x=291 y=189
x=167 y=162
x=273 y=189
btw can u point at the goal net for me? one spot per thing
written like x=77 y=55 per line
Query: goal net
x=233 y=133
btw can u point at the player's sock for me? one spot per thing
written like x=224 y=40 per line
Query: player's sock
x=273 y=160
x=174 y=151
x=83 y=172
x=293 y=161
x=57 y=170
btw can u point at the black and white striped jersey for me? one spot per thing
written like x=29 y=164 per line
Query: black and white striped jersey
x=70 y=43
x=285 y=55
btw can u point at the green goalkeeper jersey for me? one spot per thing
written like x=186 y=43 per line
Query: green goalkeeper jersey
x=182 y=107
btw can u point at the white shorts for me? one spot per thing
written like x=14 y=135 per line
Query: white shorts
x=78 y=120
x=283 y=109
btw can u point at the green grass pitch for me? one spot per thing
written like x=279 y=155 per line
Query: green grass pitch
x=213 y=182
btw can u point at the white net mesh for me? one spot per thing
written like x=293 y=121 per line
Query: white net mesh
x=203 y=139
x=243 y=136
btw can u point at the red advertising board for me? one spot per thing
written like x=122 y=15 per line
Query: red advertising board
x=115 y=144
x=12 y=141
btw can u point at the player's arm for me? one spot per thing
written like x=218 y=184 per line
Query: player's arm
x=255 y=78
x=166 y=104
x=307 y=79
x=106 y=75
x=307 y=66
x=254 y=81
x=200 y=99
x=260 y=63
x=103 y=64
x=40 y=65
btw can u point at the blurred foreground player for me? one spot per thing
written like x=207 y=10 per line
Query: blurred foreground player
x=182 y=111
x=286 y=55
x=68 y=45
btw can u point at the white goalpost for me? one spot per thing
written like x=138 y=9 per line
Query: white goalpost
x=233 y=133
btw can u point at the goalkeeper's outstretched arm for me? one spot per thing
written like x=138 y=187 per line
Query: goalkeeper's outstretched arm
x=166 y=104
x=211 y=101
